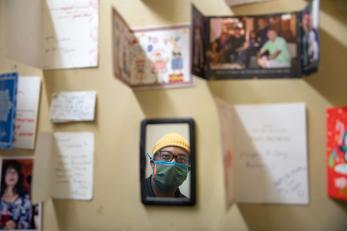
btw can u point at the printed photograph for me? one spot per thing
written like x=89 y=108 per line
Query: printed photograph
x=310 y=37
x=16 y=208
x=167 y=159
x=258 y=42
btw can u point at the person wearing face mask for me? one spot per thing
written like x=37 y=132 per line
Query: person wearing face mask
x=170 y=165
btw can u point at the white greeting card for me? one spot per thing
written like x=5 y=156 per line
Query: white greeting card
x=59 y=34
x=269 y=152
x=66 y=159
x=28 y=96
x=73 y=106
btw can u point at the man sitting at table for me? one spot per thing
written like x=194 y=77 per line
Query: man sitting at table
x=274 y=53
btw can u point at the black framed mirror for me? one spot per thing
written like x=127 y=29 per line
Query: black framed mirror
x=167 y=161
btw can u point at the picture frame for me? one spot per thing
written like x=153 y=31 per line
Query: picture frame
x=164 y=181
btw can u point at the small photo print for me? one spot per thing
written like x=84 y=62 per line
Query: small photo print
x=17 y=212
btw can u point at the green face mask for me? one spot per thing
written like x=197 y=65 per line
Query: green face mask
x=169 y=176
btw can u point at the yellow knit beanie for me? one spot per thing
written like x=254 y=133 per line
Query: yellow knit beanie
x=171 y=139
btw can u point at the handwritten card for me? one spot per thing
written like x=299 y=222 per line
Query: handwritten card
x=73 y=106
x=8 y=102
x=27 y=109
x=59 y=34
x=271 y=153
x=64 y=166
x=156 y=57
x=71 y=34
x=265 y=153
x=73 y=165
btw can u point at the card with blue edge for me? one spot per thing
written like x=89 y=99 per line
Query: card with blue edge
x=8 y=102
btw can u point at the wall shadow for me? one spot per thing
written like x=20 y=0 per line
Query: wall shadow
x=167 y=10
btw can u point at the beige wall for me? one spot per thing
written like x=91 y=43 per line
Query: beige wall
x=116 y=204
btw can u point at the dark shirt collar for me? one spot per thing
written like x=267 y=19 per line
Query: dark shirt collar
x=150 y=192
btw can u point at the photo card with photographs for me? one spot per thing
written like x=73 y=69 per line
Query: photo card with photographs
x=167 y=157
x=264 y=46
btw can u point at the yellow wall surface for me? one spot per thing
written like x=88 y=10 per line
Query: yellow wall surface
x=116 y=203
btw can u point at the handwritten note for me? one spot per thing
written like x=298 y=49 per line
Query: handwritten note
x=73 y=165
x=73 y=106
x=27 y=107
x=71 y=34
x=59 y=34
x=271 y=153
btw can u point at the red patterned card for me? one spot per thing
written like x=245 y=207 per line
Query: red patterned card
x=337 y=152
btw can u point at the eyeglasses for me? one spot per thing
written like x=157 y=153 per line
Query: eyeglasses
x=169 y=156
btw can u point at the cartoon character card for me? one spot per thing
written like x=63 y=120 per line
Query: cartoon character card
x=337 y=152
x=157 y=57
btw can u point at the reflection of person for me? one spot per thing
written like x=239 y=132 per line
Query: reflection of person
x=310 y=43
x=15 y=208
x=274 y=53
x=170 y=166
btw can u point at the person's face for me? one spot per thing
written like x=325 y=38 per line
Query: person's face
x=11 y=177
x=224 y=36
x=307 y=21
x=261 y=23
x=272 y=35
x=172 y=153
x=237 y=32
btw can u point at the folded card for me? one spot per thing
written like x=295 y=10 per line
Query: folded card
x=8 y=103
x=28 y=98
x=336 y=155
x=64 y=166
x=265 y=153
x=156 y=57
x=59 y=34
x=273 y=45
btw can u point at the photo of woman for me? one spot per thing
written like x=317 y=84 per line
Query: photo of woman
x=16 y=208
